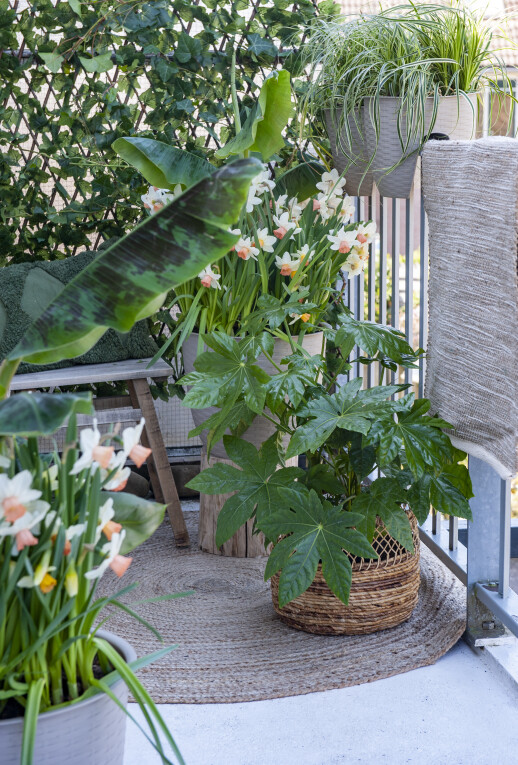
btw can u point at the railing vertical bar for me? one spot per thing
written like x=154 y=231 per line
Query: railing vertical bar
x=371 y=287
x=359 y=285
x=486 y=114
x=436 y=522
x=505 y=538
x=423 y=296
x=453 y=532
x=394 y=309
x=382 y=316
x=409 y=278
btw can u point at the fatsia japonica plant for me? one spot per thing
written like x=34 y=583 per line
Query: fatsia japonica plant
x=368 y=453
x=64 y=518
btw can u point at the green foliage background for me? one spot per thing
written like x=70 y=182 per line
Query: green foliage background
x=74 y=76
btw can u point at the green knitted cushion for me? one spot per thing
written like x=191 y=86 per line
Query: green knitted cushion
x=26 y=289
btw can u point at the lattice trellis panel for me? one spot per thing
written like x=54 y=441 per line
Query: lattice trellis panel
x=164 y=73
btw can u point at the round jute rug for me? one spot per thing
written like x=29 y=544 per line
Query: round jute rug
x=231 y=645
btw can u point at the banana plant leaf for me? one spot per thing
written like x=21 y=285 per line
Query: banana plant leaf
x=40 y=414
x=130 y=280
x=161 y=165
x=262 y=131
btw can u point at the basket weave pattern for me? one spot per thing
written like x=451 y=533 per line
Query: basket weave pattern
x=384 y=592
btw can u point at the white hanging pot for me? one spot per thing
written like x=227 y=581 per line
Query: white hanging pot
x=349 y=153
x=394 y=145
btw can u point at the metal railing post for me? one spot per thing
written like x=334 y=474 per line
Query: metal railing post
x=489 y=535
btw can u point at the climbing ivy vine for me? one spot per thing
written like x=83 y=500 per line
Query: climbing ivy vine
x=74 y=76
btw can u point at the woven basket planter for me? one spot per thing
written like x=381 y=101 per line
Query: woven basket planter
x=384 y=593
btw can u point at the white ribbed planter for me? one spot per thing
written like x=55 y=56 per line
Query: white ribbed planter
x=457 y=117
x=350 y=156
x=261 y=429
x=386 y=149
x=90 y=732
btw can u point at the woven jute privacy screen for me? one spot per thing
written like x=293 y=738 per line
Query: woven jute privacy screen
x=470 y=193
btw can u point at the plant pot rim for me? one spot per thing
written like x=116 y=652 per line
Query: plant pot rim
x=120 y=645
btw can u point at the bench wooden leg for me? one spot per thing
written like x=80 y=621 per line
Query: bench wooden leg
x=160 y=473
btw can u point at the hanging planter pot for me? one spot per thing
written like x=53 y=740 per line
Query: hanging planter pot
x=90 y=732
x=349 y=152
x=384 y=592
x=457 y=117
x=394 y=146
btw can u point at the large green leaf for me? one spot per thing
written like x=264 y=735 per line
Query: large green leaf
x=426 y=446
x=161 y=165
x=317 y=531
x=383 y=498
x=257 y=484
x=40 y=414
x=348 y=409
x=301 y=180
x=130 y=280
x=139 y=517
x=373 y=338
x=262 y=130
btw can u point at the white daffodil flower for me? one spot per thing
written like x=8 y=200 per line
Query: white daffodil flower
x=209 y=279
x=118 y=563
x=16 y=495
x=156 y=198
x=331 y=183
x=285 y=224
x=304 y=255
x=265 y=240
x=246 y=249
x=92 y=454
x=294 y=209
x=105 y=524
x=259 y=185
x=362 y=252
x=41 y=577
x=346 y=211
x=280 y=204
x=132 y=446
x=343 y=241
x=366 y=233
x=287 y=265
x=353 y=265
x=119 y=479
x=23 y=526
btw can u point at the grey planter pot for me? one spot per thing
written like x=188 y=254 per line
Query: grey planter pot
x=386 y=149
x=457 y=118
x=350 y=156
x=261 y=429
x=91 y=732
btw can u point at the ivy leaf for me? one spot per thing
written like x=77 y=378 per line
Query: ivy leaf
x=257 y=484
x=373 y=338
x=97 y=64
x=383 y=498
x=187 y=48
x=76 y=6
x=52 y=61
x=317 y=531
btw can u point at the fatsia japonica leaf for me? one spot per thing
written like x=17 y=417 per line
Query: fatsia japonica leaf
x=383 y=498
x=40 y=414
x=162 y=165
x=373 y=338
x=425 y=445
x=348 y=409
x=130 y=280
x=257 y=484
x=318 y=532
x=262 y=130
x=225 y=373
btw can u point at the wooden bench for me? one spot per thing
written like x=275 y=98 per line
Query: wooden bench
x=135 y=374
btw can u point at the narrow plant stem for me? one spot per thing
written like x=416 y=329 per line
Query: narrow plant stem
x=233 y=90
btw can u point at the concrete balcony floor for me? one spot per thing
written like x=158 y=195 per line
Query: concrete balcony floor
x=460 y=711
